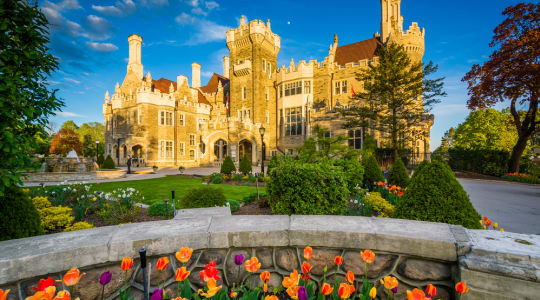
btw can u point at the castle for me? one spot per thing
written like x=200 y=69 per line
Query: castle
x=172 y=123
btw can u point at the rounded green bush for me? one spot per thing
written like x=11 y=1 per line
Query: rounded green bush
x=228 y=166
x=203 y=197
x=245 y=165
x=435 y=195
x=108 y=163
x=160 y=209
x=420 y=166
x=372 y=172
x=307 y=189
x=217 y=179
x=19 y=216
x=353 y=170
x=398 y=174
x=233 y=205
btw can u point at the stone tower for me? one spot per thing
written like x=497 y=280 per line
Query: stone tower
x=253 y=61
x=134 y=64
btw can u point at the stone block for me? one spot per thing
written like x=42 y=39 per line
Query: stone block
x=352 y=261
x=89 y=287
x=423 y=270
x=217 y=256
x=249 y=231
x=155 y=275
x=202 y=212
x=322 y=257
x=235 y=273
x=499 y=287
x=265 y=257
x=287 y=259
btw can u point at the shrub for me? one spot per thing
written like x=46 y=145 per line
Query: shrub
x=372 y=172
x=237 y=177
x=160 y=209
x=55 y=217
x=398 y=174
x=274 y=161
x=245 y=165
x=379 y=204
x=120 y=206
x=419 y=167
x=19 y=216
x=252 y=178
x=358 y=206
x=353 y=171
x=233 y=205
x=493 y=169
x=203 y=197
x=41 y=202
x=100 y=160
x=217 y=179
x=479 y=161
x=228 y=166
x=108 y=163
x=435 y=195
x=307 y=188
x=79 y=226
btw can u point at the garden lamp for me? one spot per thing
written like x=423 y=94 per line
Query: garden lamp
x=261 y=131
x=97 y=147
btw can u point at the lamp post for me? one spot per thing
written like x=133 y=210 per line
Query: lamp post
x=97 y=149
x=261 y=131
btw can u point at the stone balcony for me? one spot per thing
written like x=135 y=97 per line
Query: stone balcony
x=243 y=68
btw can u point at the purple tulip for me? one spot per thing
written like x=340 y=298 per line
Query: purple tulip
x=157 y=294
x=394 y=290
x=302 y=293
x=105 y=278
x=239 y=259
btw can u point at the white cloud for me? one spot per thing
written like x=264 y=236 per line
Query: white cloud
x=121 y=9
x=193 y=3
x=102 y=47
x=52 y=82
x=72 y=80
x=199 y=11
x=53 y=16
x=473 y=61
x=211 y=5
x=74 y=29
x=184 y=18
x=69 y=4
x=206 y=31
x=206 y=74
x=99 y=28
x=86 y=73
x=68 y=114
x=153 y=2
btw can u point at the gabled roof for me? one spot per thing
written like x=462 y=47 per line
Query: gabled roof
x=212 y=85
x=163 y=84
x=202 y=98
x=357 y=51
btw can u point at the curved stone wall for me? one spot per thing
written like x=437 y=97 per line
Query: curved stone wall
x=417 y=253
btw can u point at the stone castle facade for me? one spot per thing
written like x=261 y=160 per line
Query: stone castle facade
x=173 y=123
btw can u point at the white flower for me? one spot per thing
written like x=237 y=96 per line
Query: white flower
x=355 y=201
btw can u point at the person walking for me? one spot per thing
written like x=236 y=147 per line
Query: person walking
x=129 y=164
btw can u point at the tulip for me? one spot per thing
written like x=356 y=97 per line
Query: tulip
x=43 y=284
x=179 y=298
x=72 y=277
x=389 y=282
x=46 y=294
x=485 y=218
x=495 y=225
x=394 y=290
x=338 y=260
x=481 y=222
x=416 y=294
x=484 y=227
x=63 y=295
x=327 y=289
x=127 y=263
x=184 y=254
x=3 y=294
x=307 y=252
x=306 y=269
x=292 y=280
x=157 y=294
x=252 y=265
x=367 y=256
x=105 y=278
x=239 y=259
x=431 y=290
x=302 y=293
x=162 y=263
x=271 y=297
x=233 y=294
x=350 y=277
x=181 y=274
x=461 y=288
x=488 y=222
x=345 y=290
x=502 y=229
x=212 y=289
x=373 y=293
x=293 y=292
x=265 y=277
x=210 y=271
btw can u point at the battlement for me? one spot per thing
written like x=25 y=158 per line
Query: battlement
x=254 y=27
x=302 y=70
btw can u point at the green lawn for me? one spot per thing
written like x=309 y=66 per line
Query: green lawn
x=160 y=188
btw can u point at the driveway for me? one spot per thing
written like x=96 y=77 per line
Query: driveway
x=515 y=206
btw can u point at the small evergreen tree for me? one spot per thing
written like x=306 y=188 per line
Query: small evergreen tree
x=435 y=195
x=420 y=166
x=372 y=171
x=19 y=216
x=109 y=163
x=245 y=165
x=228 y=166
x=398 y=174
x=100 y=160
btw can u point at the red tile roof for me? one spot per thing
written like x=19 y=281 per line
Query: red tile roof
x=357 y=51
x=163 y=84
x=212 y=85
x=202 y=98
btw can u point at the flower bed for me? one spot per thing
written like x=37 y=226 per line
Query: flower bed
x=521 y=177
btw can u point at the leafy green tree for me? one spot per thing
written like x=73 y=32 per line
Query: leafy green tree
x=70 y=125
x=245 y=165
x=96 y=131
x=398 y=174
x=372 y=171
x=88 y=146
x=25 y=97
x=108 y=163
x=20 y=218
x=228 y=166
x=321 y=146
x=398 y=95
x=447 y=141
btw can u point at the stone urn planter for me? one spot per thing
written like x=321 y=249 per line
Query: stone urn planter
x=155 y=168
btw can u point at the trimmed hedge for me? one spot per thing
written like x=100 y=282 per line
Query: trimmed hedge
x=307 y=188
x=20 y=218
x=398 y=174
x=372 y=172
x=489 y=162
x=203 y=197
x=435 y=195
x=108 y=163
x=228 y=166
x=420 y=166
x=160 y=209
x=245 y=165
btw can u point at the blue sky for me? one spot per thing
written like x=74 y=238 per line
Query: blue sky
x=90 y=39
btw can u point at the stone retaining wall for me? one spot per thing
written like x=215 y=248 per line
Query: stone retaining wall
x=74 y=176
x=417 y=253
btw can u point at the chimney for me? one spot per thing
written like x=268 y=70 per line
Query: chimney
x=134 y=64
x=195 y=75
x=180 y=80
x=226 y=63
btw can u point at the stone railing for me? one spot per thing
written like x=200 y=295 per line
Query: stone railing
x=496 y=265
x=74 y=176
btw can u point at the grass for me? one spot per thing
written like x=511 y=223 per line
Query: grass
x=158 y=189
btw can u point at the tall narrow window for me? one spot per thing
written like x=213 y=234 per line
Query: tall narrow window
x=244 y=93
x=307 y=87
x=344 y=87
x=293 y=121
x=182 y=149
x=337 y=88
x=192 y=139
x=267 y=117
x=267 y=93
x=162 y=118
x=139 y=113
x=355 y=138
x=192 y=154
x=264 y=65
x=181 y=119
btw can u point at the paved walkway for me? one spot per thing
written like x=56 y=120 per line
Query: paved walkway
x=515 y=206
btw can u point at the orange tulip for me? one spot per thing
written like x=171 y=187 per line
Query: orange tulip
x=291 y=281
x=181 y=274
x=162 y=263
x=46 y=294
x=212 y=289
x=127 y=263
x=293 y=292
x=373 y=293
x=485 y=218
x=62 y=295
x=350 y=277
x=233 y=294
x=488 y=222
x=461 y=287
x=252 y=265
x=431 y=290
x=416 y=294
x=271 y=297
x=3 y=294
x=307 y=252
x=368 y=256
x=306 y=267
x=265 y=276
x=327 y=289
x=338 y=260
x=72 y=277
x=345 y=290
x=184 y=254
x=389 y=282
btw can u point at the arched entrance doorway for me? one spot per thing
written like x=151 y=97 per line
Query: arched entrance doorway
x=138 y=155
x=220 y=149
x=245 y=148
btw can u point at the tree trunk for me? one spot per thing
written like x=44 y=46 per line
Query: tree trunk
x=517 y=151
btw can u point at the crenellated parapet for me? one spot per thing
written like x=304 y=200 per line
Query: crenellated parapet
x=256 y=31
x=302 y=70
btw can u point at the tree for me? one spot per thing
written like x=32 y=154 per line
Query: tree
x=25 y=97
x=228 y=166
x=447 y=140
x=96 y=131
x=397 y=95
x=88 y=146
x=245 y=165
x=64 y=141
x=372 y=171
x=512 y=73
x=70 y=125
x=322 y=146
x=398 y=174
x=486 y=129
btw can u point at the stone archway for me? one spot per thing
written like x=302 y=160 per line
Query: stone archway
x=137 y=153
x=220 y=150
x=245 y=147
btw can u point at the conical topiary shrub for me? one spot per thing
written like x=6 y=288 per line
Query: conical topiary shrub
x=435 y=195
x=228 y=166
x=20 y=218
x=418 y=168
x=372 y=172
x=108 y=163
x=100 y=159
x=245 y=165
x=398 y=174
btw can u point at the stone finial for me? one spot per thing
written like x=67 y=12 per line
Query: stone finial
x=171 y=88
x=149 y=77
x=291 y=64
x=268 y=24
x=117 y=87
x=335 y=38
x=107 y=97
x=242 y=20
